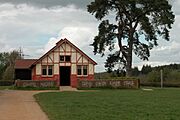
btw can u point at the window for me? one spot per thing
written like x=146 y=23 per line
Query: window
x=82 y=70
x=85 y=70
x=62 y=58
x=44 y=71
x=47 y=70
x=79 y=70
x=50 y=71
x=66 y=58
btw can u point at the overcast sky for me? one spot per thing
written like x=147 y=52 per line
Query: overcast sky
x=36 y=25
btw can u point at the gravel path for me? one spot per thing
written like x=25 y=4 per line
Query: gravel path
x=20 y=105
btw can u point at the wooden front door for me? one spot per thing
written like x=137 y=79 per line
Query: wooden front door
x=65 y=72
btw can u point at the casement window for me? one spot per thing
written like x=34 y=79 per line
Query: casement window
x=79 y=71
x=44 y=70
x=82 y=70
x=85 y=70
x=65 y=58
x=47 y=70
x=50 y=70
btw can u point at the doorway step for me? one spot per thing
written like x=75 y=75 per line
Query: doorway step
x=67 y=88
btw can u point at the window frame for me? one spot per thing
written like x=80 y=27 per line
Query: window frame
x=79 y=67
x=60 y=58
x=82 y=70
x=65 y=58
x=85 y=67
x=46 y=67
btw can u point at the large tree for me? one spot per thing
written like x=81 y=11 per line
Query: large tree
x=134 y=25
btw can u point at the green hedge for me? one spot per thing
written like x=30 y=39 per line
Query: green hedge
x=119 y=78
x=158 y=84
x=6 y=83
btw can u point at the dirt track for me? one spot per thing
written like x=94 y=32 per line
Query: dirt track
x=20 y=105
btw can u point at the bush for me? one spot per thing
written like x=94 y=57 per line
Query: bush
x=153 y=76
x=6 y=83
x=158 y=84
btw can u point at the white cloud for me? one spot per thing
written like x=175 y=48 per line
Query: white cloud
x=31 y=27
x=37 y=29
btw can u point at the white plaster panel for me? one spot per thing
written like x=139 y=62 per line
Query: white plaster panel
x=57 y=49
x=68 y=64
x=73 y=50
x=44 y=60
x=85 y=60
x=56 y=68
x=80 y=60
x=91 y=66
x=68 y=48
x=56 y=57
x=50 y=58
x=61 y=49
x=68 y=53
x=62 y=64
x=38 y=69
x=62 y=53
x=73 y=69
x=73 y=57
x=78 y=56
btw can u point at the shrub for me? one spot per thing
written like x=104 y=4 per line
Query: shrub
x=6 y=83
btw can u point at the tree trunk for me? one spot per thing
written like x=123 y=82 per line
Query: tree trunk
x=129 y=65
x=129 y=56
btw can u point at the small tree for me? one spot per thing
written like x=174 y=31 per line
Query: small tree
x=9 y=70
x=135 y=71
x=138 y=26
x=146 y=69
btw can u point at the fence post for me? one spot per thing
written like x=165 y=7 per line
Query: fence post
x=161 y=78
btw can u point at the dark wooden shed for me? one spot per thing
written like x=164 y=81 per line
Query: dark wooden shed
x=23 y=70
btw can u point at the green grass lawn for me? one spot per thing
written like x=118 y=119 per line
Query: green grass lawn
x=159 y=104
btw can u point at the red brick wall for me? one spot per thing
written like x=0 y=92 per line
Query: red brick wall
x=74 y=78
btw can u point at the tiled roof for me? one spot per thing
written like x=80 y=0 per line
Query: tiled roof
x=24 y=63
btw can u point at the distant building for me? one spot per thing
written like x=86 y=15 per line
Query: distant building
x=64 y=63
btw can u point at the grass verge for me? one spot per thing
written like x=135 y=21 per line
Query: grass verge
x=36 y=88
x=6 y=87
x=27 y=88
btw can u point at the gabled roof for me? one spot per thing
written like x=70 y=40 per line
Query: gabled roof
x=24 y=63
x=60 y=43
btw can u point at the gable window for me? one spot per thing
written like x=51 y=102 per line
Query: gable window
x=62 y=58
x=47 y=70
x=82 y=70
x=65 y=58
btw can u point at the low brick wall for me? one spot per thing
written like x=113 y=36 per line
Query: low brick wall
x=108 y=84
x=35 y=83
